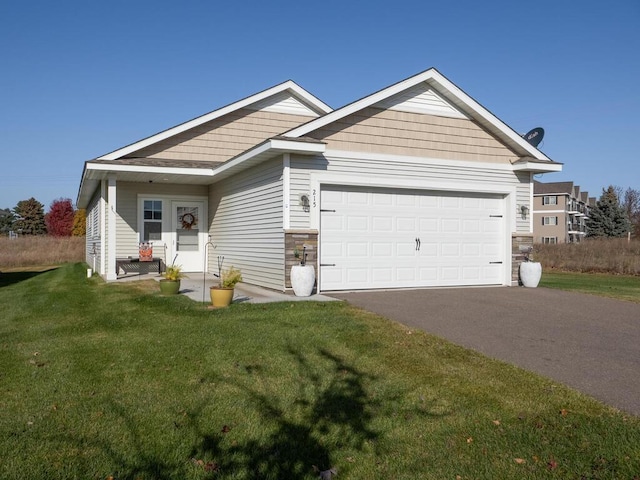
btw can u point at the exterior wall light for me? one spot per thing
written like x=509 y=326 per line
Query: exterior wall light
x=304 y=202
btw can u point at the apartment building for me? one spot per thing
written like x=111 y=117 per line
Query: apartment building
x=560 y=212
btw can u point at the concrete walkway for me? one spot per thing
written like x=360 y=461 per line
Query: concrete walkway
x=196 y=287
x=587 y=342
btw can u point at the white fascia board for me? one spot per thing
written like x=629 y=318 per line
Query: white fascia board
x=537 y=167
x=110 y=167
x=307 y=97
x=357 y=105
x=288 y=85
x=479 y=110
x=465 y=103
x=274 y=146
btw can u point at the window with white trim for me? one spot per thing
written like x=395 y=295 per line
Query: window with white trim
x=550 y=200
x=549 y=220
x=549 y=239
x=152 y=220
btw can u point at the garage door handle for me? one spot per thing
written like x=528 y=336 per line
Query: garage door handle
x=324 y=210
x=494 y=263
x=327 y=264
x=417 y=244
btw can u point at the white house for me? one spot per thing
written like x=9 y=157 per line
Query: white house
x=414 y=185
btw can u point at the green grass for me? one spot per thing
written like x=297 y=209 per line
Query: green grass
x=622 y=287
x=101 y=381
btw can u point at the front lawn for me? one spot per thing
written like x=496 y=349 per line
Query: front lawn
x=621 y=287
x=102 y=381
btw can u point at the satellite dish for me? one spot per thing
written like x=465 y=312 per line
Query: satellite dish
x=534 y=137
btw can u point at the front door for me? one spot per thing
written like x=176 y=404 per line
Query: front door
x=188 y=245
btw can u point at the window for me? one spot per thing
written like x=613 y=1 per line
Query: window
x=550 y=200
x=152 y=215
x=549 y=220
x=549 y=239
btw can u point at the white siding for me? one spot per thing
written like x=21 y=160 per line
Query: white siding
x=523 y=197
x=421 y=99
x=407 y=169
x=127 y=211
x=93 y=244
x=246 y=227
x=283 y=102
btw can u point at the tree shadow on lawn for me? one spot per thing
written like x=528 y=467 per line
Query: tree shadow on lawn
x=10 y=278
x=329 y=416
x=335 y=411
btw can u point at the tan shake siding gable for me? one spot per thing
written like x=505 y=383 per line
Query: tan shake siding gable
x=224 y=137
x=413 y=134
x=246 y=227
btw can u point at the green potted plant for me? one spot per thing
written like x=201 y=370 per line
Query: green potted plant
x=222 y=294
x=170 y=284
x=303 y=276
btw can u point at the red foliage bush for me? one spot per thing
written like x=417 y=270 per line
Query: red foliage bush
x=59 y=218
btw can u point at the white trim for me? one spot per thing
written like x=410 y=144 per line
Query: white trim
x=110 y=167
x=286 y=191
x=318 y=179
x=271 y=147
x=549 y=211
x=102 y=204
x=391 y=158
x=537 y=167
x=531 y=183
x=111 y=244
x=288 y=85
x=464 y=102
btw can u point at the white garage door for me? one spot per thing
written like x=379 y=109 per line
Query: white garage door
x=382 y=238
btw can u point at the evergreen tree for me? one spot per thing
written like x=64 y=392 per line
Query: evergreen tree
x=6 y=221
x=608 y=218
x=29 y=217
x=59 y=218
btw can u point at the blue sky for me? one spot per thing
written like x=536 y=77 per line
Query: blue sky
x=80 y=79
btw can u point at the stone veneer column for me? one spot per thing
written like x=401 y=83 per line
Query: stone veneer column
x=517 y=256
x=299 y=238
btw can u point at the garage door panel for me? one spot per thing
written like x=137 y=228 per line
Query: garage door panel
x=382 y=224
x=406 y=249
x=370 y=235
x=449 y=225
x=382 y=249
x=358 y=224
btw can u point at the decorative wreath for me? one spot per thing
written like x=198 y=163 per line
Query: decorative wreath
x=188 y=220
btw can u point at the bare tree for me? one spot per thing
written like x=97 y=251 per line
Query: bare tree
x=631 y=204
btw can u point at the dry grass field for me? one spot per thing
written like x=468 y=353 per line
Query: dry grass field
x=615 y=256
x=31 y=251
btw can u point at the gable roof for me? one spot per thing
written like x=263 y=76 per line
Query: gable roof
x=306 y=99
x=444 y=89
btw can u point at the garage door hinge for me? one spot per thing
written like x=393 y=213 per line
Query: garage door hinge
x=494 y=263
x=495 y=216
x=327 y=264
x=324 y=210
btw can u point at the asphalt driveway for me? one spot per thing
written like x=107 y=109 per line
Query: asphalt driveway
x=589 y=343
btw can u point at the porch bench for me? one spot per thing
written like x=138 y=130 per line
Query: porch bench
x=134 y=265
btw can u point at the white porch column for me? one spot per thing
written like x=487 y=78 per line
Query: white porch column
x=111 y=229
x=103 y=228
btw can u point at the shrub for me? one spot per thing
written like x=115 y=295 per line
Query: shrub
x=594 y=255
